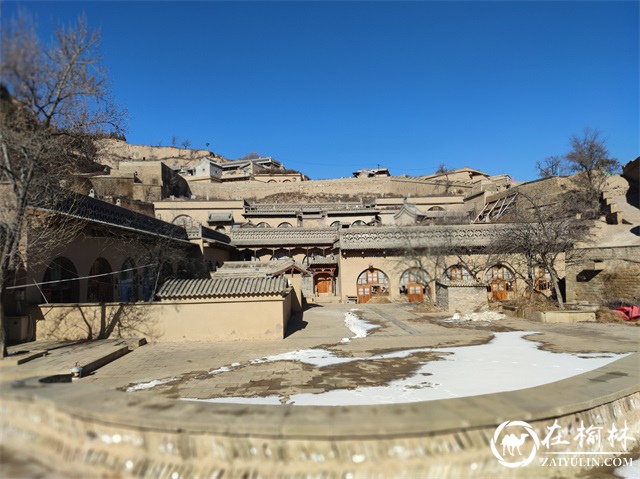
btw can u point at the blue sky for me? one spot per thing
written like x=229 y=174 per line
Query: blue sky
x=332 y=87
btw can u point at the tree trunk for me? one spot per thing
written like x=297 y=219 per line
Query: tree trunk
x=556 y=288
x=3 y=330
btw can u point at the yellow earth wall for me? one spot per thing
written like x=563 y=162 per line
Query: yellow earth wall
x=256 y=318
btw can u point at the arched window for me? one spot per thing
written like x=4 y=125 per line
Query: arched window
x=263 y=225
x=128 y=288
x=60 y=285
x=100 y=287
x=499 y=272
x=335 y=224
x=457 y=273
x=285 y=224
x=358 y=223
x=372 y=282
x=436 y=208
x=500 y=280
x=221 y=229
x=185 y=221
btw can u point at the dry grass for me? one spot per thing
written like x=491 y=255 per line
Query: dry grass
x=379 y=300
x=605 y=315
x=426 y=308
x=539 y=303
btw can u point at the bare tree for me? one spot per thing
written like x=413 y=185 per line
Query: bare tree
x=542 y=234
x=589 y=154
x=186 y=143
x=53 y=102
x=550 y=166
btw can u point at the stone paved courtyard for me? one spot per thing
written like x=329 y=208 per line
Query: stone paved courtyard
x=219 y=370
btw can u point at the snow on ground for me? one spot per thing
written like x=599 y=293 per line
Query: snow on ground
x=485 y=316
x=507 y=363
x=358 y=327
x=150 y=384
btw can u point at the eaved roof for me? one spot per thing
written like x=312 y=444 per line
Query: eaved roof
x=220 y=287
x=221 y=217
x=258 y=268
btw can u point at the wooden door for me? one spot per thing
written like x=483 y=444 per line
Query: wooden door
x=324 y=284
x=499 y=290
x=364 y=293
x=415 y=292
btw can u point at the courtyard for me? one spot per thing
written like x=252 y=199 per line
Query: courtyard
x=403 y=385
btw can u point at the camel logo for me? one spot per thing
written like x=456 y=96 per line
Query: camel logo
x=519 y=447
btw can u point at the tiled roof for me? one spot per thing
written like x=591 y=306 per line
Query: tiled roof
x=223 y=287
x=223 y=217
x=98 y=211
x=257 y=268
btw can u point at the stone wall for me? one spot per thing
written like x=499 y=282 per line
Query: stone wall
x=461 y=298
x=80 y=430
x=606 y=275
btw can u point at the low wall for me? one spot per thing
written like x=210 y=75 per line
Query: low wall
x=560 y=316
x=254 y=318
x=463 y=298
x=85 y=431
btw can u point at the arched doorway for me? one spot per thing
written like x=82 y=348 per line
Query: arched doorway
x=60 y=285
x=128 y=287
x=500 y=281
x=414 y=283
x=100 y=287
x=372 y=282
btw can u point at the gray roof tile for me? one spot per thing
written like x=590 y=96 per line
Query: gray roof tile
x=223 y=286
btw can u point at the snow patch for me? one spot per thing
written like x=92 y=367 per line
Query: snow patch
x=357 y=326
x=485 y=316
x=507 y=363
x=150 y=384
